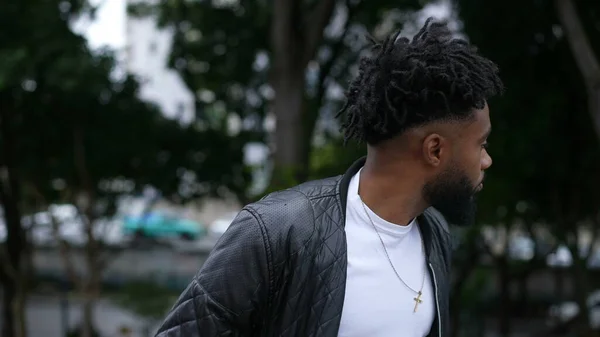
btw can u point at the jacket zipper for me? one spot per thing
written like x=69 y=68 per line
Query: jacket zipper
x=437 y=302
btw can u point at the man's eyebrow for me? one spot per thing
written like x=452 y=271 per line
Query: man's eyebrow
x=487 y=133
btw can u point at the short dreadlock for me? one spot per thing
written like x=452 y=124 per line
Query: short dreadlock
x=404 y=84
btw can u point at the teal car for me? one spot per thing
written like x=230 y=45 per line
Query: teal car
x=162 y=225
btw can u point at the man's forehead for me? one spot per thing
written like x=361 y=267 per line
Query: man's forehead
x=482 y=120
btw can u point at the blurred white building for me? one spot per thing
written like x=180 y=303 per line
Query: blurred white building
x=147 y=52
x=146 y=55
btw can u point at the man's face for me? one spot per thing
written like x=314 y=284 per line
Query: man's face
x=453 y=190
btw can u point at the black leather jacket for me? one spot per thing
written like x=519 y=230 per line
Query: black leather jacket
x=280 y=269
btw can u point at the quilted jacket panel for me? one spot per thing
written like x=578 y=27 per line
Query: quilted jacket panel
x=280 y=269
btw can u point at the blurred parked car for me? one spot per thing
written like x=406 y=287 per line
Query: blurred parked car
x=160 y=225
x=40 y=228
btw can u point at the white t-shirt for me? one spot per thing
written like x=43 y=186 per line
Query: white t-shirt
x=377 y=303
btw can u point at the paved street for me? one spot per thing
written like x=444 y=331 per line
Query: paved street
x=168 y=266
x=44 y=318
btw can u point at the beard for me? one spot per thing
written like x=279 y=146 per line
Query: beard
x=452 y=193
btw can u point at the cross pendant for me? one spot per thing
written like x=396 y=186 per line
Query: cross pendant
x=417 y=300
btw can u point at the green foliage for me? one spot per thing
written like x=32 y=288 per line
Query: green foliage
x=283 y=177
x=331 y=159
x=225 y=49
x=215 y=48
x=477 y=284
x=544 y=149
x=334 y=158
x=80 y=135
x=546 y=156
x=79 y=127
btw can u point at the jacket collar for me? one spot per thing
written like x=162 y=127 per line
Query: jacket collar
x=345 y=182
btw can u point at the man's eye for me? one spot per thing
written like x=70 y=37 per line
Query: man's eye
x=485 y=145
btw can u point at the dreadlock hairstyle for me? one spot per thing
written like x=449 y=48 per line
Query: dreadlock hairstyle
x=407 y=83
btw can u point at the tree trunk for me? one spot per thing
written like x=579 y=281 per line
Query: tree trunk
x=9 y=292
x=13 y=311
x=19 y=311
x=462 y=272
x=87 y=321
x=11 y=267
x=86 y=199
x=91 y=288
x=295 y=38
x=582 y=291
x=504 y=314
x=559 y=277
x=290 y=166
x=524 y=292
x=584 y=56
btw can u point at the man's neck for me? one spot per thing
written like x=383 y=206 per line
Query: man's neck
x=392 y=193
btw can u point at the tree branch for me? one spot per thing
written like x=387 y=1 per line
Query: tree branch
x=65 y=253
x=63 y=246
x=87 y=193
x=578 y=40
x=6 y=266
x=283 y=35
x=584 y=56
x=595 y=229
x=320 y=17
x=10 y=192
x=336 y=49
x=463 y=272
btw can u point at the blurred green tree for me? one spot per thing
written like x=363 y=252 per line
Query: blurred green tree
x=72 y=131
x=544 y=173
x=289 y=58
x=546 y=153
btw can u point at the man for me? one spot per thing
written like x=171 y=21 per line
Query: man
x=366 y=253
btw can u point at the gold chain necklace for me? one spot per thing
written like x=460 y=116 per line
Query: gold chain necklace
x=417 y=299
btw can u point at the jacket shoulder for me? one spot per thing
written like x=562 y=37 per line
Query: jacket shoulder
x=290 y=216
x=297 y=198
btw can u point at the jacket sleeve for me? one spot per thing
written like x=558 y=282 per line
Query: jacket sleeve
x=226 y=296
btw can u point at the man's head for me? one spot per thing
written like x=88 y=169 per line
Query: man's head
x=423 y=102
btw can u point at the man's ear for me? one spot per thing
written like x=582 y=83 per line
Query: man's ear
x=434 y=148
